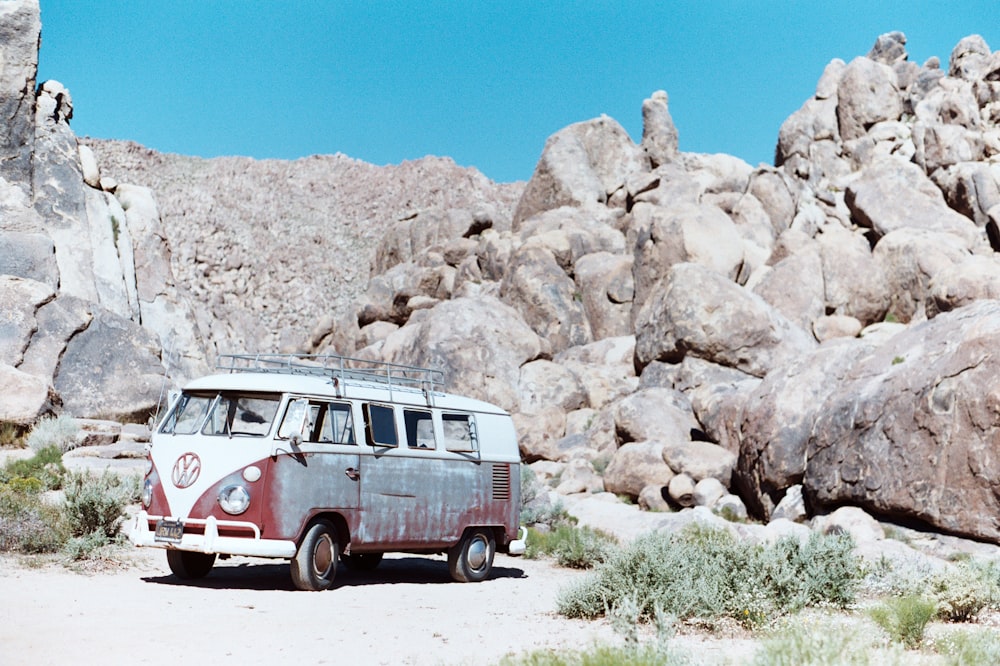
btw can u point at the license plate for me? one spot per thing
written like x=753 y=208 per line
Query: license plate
x=169 y=530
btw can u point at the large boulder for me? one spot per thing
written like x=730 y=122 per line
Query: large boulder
x=910 y=259
x=909 y=432
x=581 y=166
x=655 y=413
x=28 y=255
x=607 y=288
x=635 y=466
x=26 y=397
x=440 y=338
x=696 y=311
x=867 y=93
x=20 y=300
x=659 y=135
x=543 y=383
x=546 y=297
x=20 y=29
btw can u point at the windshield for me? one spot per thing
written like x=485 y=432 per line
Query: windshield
x=229 y=414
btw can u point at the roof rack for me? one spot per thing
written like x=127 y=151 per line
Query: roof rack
x=344 y=369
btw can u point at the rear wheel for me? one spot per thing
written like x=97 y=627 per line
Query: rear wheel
x=188 y=565
x=361 y=561
x=315 y=564
x=471 y=559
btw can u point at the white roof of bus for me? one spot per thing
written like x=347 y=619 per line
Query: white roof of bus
x=274 y=382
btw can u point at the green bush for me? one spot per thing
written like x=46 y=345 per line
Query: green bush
x=829 y=641
x=962 y=591
x=646 y=654
x=571 y=546
x=969 y=648
x=96 y=505
x=45 y=466
x=707 y=573
x=60 y=432
x=27 y=524
x=905 y=618
x=11 y=435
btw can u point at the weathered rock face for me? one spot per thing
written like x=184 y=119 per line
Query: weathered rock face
x=20 y=32
x=911 y=429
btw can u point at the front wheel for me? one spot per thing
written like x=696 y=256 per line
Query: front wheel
x=188 y=565
x=471 y=559
x=315 y=563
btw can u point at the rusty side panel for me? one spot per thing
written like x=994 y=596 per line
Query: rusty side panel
x=411 y=500
x=302 y=485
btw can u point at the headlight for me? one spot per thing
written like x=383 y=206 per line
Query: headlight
x=234 y=500
x=147 y=493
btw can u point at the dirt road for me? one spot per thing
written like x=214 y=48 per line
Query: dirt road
x=246 y=612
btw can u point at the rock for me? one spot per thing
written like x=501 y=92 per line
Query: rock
x=659 y=135
x=815 y=121
x=850 y=520
x=603 y=383
x=853 y=280
x=581 y=166
x=906 y=432
x=655 y=413
x=768 y=186
x=441 y=340
x=681 y=490
x=971 y=188
x=571 y=233
x=544 y=383
x=866 y=94
x=88 y=165
x=26 y=397
x=546 y=297
x=961 y=283
x=778 y=420
x=695 y=311
x=700 y=460
x=968 y=58
x=135 y=432
x=795 y=287
x=708 y=491
x=57 y=322
x=941 y=146
x=893 y=194
x=20 y=29
x=910 y=259
x=29 y=255
x=111 y=370
x=836 y=326
x=579 y=477
x=606 y=288
x=634 y=466
x=731 y=507
x=20 y=300
x=791 y=507
x=539 y=432
x=889 y=49
x=663 y=237
x=654 y=498
x=782 y=528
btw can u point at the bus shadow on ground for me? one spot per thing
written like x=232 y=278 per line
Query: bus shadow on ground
x=276 y=576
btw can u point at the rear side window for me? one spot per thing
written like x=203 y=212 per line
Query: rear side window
x=459 y=433
x=380 y=425
x=419 y=429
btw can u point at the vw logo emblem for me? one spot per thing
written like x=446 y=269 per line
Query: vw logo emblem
x=186 y=470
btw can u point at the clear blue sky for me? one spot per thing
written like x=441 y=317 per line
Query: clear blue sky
x=482 y=82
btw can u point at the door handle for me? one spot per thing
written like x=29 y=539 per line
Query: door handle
x=352 y=474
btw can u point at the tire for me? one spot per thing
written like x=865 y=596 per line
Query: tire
x=188 y=565
x=471 y=559
x=361 y=561
x=314 y=566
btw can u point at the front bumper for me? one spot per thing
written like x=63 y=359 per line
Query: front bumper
x=210 y=541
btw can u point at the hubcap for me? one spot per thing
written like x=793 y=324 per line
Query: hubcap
x=477 y=553
x=323 y=556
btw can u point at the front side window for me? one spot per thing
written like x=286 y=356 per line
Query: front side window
x=247 y=415
x=328 y=423
x=380 y=425
x=187 y=415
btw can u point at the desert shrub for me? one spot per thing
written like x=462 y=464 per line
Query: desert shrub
x=11 y=435
x=709 y=574
x=645 y=654
x=96 y=504
x=27 y=523
x=905 y=618
x=962 y=591
x=969 y=648
x=898 y=577
x=59 y=432
x=45 y=466
x=571 y=546
x=828 y=642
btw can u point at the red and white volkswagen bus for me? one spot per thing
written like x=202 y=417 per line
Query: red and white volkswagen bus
x=320 y=459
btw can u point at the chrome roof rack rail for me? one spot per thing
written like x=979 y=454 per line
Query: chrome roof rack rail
x=343 y=370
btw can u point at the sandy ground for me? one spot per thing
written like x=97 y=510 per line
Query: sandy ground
x=247 y=612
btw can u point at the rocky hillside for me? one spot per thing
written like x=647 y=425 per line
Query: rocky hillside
x=678 y=328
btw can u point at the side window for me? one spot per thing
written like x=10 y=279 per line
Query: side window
x=241 y=415
x=380 y=425
x=187 y=415
x=419 y=429
x=338 y=426
x=459 y=433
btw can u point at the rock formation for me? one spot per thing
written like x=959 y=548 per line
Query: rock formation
x=679 y=328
